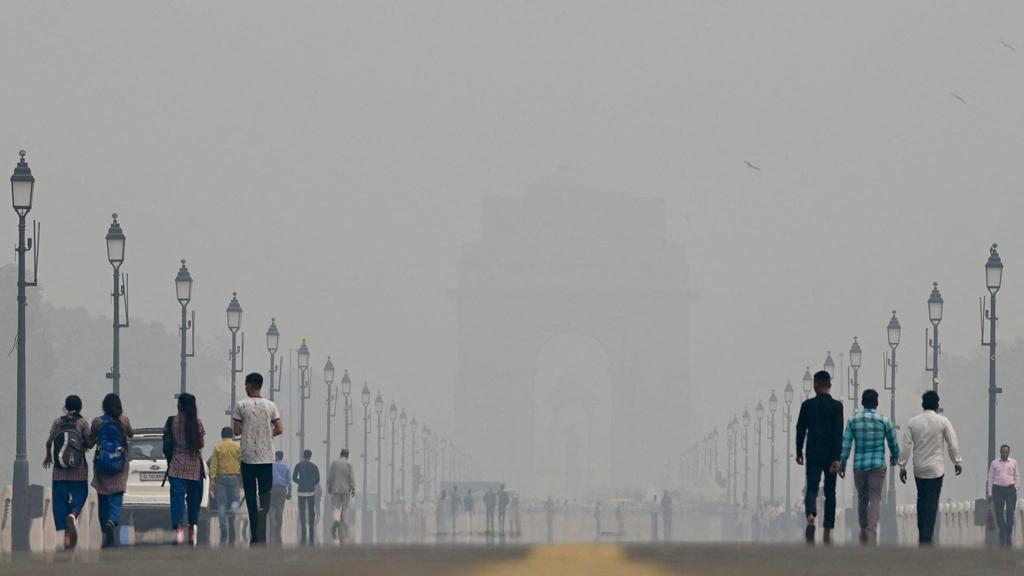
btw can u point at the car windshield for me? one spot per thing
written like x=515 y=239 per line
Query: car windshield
x=146 y=449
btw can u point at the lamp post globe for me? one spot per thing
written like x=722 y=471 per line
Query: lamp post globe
x=829 y=365
x=273 y=337
x=935 y=304
x=856 y=354
x=183 y=285
x=23 y=185
x=787 y=393
x=366 y=395
x=993 y=268
x=115 y=244
x=808 y=382
x=329 y=372
x=302 y=358
x=893 y=331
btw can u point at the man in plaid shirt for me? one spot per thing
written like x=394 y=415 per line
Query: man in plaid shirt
x=869 y=430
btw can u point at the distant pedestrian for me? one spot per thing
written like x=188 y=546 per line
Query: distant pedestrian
x=467 y=505
x=655 y=510
x=110 y=434
x=929 y=434
x=281 y=491
x=666 y=516
x=441 y=509
x=256 y=421
x=307 y=480
x=503 y=501
x=226 y=483
x=185 y=470
x=456 y=504
x=1003 y=479
x=821 y=423
x=341 y=485
x=868 y=431
x=490 y=501
x=69 y=439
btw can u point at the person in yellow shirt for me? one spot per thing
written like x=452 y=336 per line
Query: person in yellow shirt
x=226 y=482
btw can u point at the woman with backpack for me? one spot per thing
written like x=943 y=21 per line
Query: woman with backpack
x=65 y=451
x=185 y=469
x=110 y=434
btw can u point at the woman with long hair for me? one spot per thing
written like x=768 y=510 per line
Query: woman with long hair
x=110 y=433
x=186 y=471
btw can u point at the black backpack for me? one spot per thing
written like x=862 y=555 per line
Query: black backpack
x=68 y=443
x=169 y=439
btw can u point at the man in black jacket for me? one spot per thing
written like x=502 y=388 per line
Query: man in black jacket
x=307 y=477
x=821 y=423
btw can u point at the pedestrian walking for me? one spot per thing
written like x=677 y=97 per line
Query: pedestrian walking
x=456 y=504
x=490 y=501
x=503 y=501
x=929 y=434
x=280 y=491
x=307 y=479
x=69 y=439
x=666 y=516
x=655 y=510
x=185 y=471
x=820 y=423
x=341 y=485
x=467 y=505
x=256 y=421
x=226 y=483
x=110 y=433
x=1003 y=479
x=440 y=510
x=866 y=434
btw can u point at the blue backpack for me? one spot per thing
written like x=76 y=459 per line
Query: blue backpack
x=110 y=448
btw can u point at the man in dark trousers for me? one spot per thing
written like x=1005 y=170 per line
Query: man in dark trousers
x=490 y=500
x=821 y=424
x=307 y=477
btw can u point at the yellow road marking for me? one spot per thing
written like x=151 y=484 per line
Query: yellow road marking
x=572 y=560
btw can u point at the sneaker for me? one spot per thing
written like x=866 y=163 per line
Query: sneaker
x=70 y=532
x=809 y=534
x=109 y=534
x=179 y=536
x=193 y=535
x=826 y=537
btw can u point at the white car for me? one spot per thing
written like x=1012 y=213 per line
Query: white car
x=147 y=498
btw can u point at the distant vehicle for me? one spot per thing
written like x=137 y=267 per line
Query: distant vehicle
x=147 y=504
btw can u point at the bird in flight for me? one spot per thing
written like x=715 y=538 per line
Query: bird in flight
x=751 y=166
x=958 y=97
x=1007 y=44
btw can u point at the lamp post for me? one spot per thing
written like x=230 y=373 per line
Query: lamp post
x=346 y=389
x=889 y=529
x=730 y=462
x=808 y=382
x=746 y=455
x=273 y=340
x=378 y=406
x=759 y=413
x=115 y=255
x=932 y=344
x=183 y=290
x=332 y=409
x=773 y=404
x=993 y=280
x=393 y=416
x=366 y=518
x=412 y=458
x=234 y=325
x=787 y=396
x=302 y=359
x=22 y=188
x=855 y=361
x=402 y=424
x=713 y=437
x=426 y=460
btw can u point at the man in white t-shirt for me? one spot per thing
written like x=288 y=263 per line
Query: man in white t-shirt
x=256 y=421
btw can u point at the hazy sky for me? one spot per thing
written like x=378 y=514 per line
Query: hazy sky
x=327 y=160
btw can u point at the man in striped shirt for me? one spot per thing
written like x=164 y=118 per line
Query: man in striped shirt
x=869 y=431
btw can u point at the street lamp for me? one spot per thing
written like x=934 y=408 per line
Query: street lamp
x=415 y=480
x=932 y=343
x=773 y=404
x=378 y=406
x=746 y=455
x=367 y=522
x=22 y=188
x=183 y=290
x=332 y=408
x=346 y=389
x=402 y=423
x=787 y=396
x=393 y=415
x=993 y=280
x=115 y=255
x=759 y=413
x=425 y=434
x=273 y=340
x=808 y=382
x=889 y=529
x=856 y=356
x=302 y=359
x=234 y=325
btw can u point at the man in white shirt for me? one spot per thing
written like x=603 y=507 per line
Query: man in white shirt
x=341 y=485
x=928 y=435
x=256 y=420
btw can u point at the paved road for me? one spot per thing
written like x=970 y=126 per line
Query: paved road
x=589 y=560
